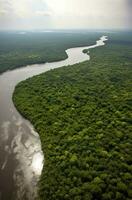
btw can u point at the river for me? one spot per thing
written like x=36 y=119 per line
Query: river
x=21 y=158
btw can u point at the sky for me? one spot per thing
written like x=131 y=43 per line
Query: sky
x=65 y=14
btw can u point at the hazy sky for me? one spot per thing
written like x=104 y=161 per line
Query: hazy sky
x=50 y=14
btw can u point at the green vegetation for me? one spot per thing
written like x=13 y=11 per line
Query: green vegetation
x=18 y=50
x=83 y=116
x=85 y=51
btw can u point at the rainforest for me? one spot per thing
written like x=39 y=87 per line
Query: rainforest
x=83 y=116
x=20 y=49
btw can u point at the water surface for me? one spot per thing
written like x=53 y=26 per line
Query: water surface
x=21 y=158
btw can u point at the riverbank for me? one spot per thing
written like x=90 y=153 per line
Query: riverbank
x=82 y=114
x=20 y=144
x=17 y=50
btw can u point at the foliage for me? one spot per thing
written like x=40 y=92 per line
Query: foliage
x=18 y=50
x=83 y=116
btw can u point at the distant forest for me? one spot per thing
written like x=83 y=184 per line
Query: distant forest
x=83 y=114
x=17 y=50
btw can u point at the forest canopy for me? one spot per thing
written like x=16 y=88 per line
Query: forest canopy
x=17 y=49
x=83 y=116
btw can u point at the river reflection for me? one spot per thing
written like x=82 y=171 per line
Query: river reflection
x=21 y=157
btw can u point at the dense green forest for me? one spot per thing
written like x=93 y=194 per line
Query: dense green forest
x=18 y=50
x=83 y=116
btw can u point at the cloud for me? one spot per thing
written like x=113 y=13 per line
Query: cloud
x=24 y=14
x=129 y=8
x=89 y=13
x=65 y=13
x=84 y=7
x=43 y=13
x=5 y=7
x=3 y=12
x=24 y=8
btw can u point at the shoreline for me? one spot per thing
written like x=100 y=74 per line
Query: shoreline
x=23 y=153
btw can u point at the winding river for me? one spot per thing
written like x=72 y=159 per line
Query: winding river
x=21 y=158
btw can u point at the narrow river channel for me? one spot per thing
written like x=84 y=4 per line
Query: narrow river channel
x=21 y=158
